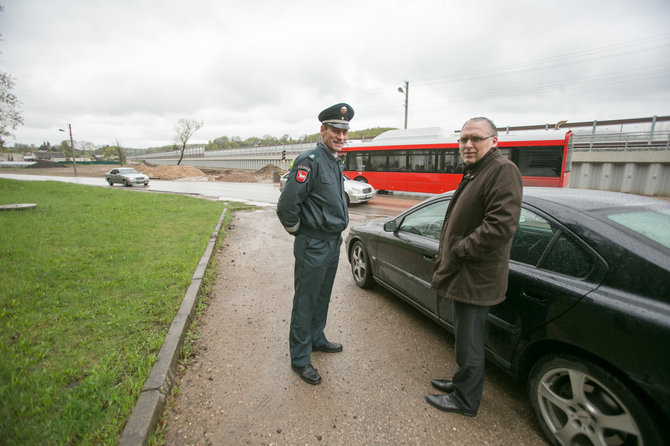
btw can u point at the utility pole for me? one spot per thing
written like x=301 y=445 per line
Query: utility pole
x=74 y=161
x=406 y=92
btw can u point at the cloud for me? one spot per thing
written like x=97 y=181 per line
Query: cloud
x=129 y=69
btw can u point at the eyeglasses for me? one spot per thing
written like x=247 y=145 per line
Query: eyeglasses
x=475 y=139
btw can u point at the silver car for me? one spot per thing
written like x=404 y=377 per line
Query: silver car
x=356 y=191
x=126 y=176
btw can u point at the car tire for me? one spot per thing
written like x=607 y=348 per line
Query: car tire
x=348 y=200
x=577 y=402
x=361 y=269
x=126 y=183
x=111 y=183
x=146 y=184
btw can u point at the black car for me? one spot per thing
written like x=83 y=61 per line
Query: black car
x=586 y=322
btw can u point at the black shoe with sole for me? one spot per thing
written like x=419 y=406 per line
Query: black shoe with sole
x=308 y=374
x=447 y=403
x=443 y=384
x=328 y=347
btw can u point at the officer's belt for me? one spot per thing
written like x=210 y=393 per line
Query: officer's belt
x=324 y=236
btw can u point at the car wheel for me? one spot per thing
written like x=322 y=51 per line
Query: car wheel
x=111 y=183
x=348 y=200
x=580 y=403
x=146 y=184
x=126 y=183
x=360 y=265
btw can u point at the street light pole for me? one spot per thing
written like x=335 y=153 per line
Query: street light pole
x=406 y=92
x=74 y=161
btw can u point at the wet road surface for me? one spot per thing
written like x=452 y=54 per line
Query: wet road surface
x=240 y=388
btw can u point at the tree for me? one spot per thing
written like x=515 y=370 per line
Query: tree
x=118 y=151
x=185 y=129
x=10 y=108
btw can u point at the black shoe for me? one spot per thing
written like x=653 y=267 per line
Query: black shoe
x=443 y=384
x=447 y=403
x=308 y=374
x=329 y=347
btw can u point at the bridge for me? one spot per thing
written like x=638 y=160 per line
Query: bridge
x=627 y=155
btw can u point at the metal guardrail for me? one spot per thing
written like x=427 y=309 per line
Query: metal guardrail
x=622 y=141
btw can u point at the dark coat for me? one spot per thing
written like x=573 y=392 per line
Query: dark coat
x=473 y=259
x=313 y=201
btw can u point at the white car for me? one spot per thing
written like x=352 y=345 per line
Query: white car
x=356 y=191
x=126 y=176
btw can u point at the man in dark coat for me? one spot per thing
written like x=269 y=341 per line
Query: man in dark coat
x=313 y=208
x=473 y=259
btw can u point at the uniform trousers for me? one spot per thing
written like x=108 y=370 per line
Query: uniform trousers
x=468 y=380
x=315 y=267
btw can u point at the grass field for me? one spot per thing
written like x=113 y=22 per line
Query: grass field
x=90 y=281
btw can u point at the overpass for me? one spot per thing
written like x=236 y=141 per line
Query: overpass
x=627 y=155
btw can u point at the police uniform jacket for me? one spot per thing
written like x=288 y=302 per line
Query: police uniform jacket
x=313 y=201
x=473 y=259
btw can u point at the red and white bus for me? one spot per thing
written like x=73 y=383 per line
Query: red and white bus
x=427 y=160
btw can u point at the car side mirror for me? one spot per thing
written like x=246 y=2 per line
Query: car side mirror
x=390 y=226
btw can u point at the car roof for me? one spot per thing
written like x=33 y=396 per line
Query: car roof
x=583 y=200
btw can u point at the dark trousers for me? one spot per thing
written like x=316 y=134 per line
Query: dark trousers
x=469 y=352
x=315 y=267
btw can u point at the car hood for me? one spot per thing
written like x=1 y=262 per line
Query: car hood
x=371 y=226
x=356 y=184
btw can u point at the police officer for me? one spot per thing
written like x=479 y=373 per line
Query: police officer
x=313 y=208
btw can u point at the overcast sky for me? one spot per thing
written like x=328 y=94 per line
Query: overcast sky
x=128 y=70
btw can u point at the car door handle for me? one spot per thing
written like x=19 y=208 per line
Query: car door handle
x=429 y=258
x=536 y=295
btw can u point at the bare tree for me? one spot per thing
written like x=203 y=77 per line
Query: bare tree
x=185 y=129
x=10 y=108
x=118 y=149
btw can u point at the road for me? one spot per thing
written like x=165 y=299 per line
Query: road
x=262 y=194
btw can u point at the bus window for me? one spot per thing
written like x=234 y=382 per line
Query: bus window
x=449 y=161
x=354 y=161
x=536 y=161
x=422 y=161
x=398 y=161
x=377 y=162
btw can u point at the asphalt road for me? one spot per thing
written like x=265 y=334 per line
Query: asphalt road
x=240 y=388
x=262 y=194
x=255 y=193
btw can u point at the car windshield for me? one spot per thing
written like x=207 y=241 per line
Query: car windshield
x=652 y=223
x=128 y=170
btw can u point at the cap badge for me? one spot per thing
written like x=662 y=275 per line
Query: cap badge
x=343 y=110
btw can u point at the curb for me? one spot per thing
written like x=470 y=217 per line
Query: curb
x=144 y=417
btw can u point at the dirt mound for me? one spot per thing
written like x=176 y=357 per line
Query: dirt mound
x=164 y=172
x=267 y=173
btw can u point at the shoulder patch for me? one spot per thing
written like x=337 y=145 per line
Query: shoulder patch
x=301 y=175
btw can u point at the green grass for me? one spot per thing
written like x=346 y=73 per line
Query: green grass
x=90 y=281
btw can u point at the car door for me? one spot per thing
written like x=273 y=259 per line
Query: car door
x=406 y=256
x=550 y=271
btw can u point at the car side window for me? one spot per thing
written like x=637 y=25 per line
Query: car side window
x=531 y=238
x=566 y=257
x=426 y=221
